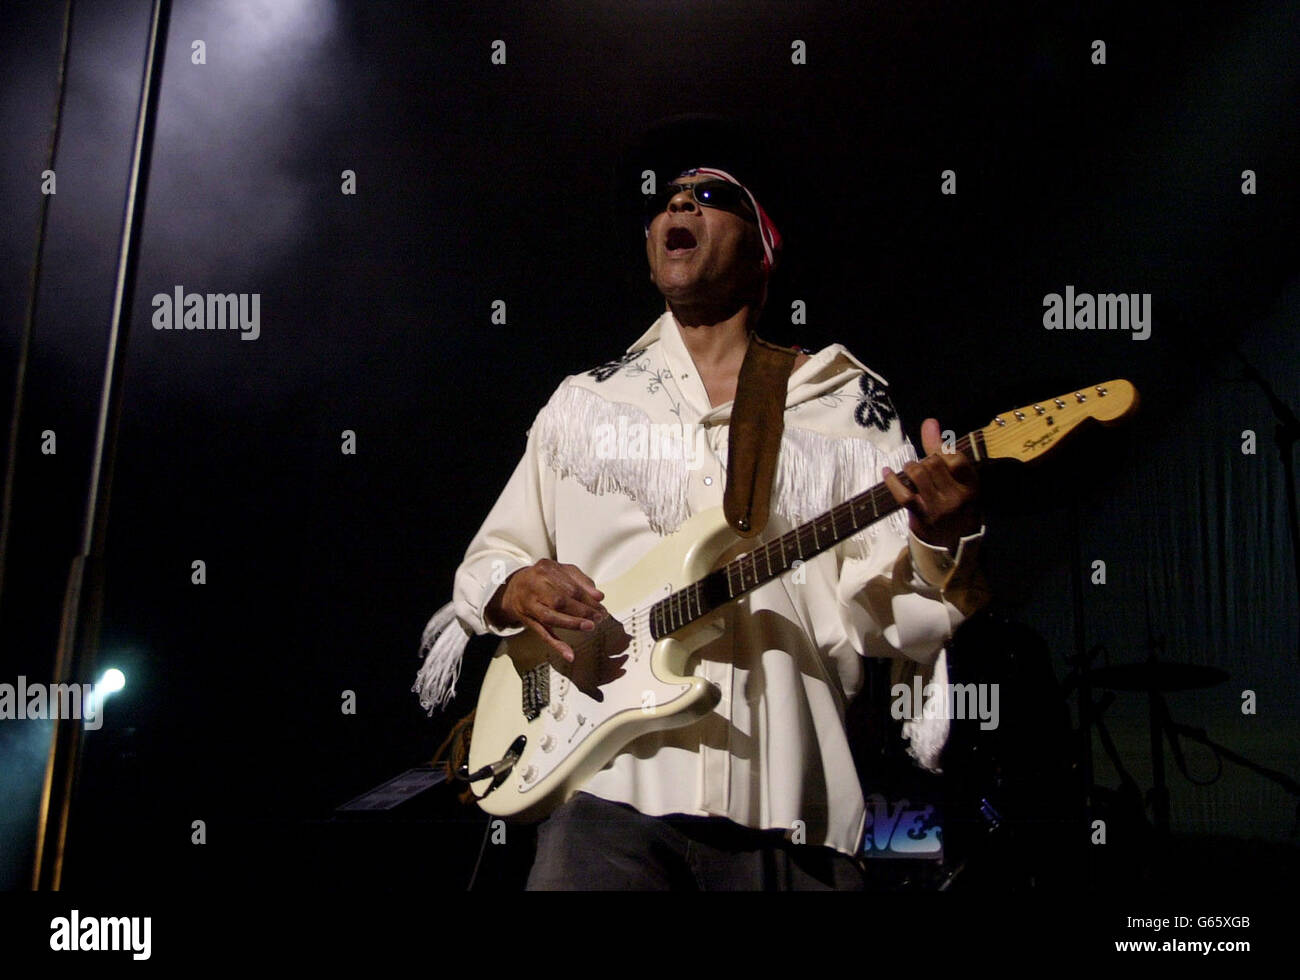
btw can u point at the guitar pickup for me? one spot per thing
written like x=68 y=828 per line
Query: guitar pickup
x=536 y=690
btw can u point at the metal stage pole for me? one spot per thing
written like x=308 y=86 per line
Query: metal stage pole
x=83 y=601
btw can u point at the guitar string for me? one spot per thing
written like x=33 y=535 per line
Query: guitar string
x=798 y=536
x=997 y=439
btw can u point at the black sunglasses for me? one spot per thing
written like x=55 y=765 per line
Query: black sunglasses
x=708 y=193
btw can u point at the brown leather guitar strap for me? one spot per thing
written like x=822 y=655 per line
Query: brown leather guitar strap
x=757 y=421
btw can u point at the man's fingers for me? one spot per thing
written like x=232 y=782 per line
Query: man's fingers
x=564 y=603
x=932 y=478
x=931 y=488
x=924 y=498
x=962 y=469
x=902 y=495
x=550 y=596
x=931 y=436
x=922 y=478
x=549 y=616
x=585 y=581
x=932 y=444
x=571 y=583
x=924 y=495
x=938 y=477
x=561 y=592
x=551 y=640
x=951 y=485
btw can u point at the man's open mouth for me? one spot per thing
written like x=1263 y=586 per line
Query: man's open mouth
x=679 y=239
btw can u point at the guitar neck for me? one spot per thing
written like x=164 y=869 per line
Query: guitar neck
x=770 y=560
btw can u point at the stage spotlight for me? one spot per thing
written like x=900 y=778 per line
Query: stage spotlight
x=113 y=680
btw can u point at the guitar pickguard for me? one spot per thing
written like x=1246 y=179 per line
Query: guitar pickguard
x=577 y=707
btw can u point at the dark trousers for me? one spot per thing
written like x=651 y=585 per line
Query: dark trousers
x=592 y=844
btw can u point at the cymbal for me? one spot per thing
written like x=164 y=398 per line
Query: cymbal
x=1156 y=677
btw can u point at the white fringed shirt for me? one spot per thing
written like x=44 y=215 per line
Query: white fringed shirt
x=773 y=754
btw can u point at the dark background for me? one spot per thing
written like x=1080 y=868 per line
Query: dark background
x=480 y=182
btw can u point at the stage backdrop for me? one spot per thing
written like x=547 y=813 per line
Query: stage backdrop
x=424 y=200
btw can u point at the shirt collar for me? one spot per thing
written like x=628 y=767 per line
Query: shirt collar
x=651 y=335
x=682 y=368
x=678 y=359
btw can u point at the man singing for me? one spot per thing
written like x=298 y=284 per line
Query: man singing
x=762 y=792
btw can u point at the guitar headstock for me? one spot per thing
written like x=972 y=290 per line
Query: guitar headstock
x=1029 y=432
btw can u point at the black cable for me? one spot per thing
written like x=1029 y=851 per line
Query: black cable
x=482 y=848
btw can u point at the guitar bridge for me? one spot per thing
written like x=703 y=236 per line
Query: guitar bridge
x=536 y=690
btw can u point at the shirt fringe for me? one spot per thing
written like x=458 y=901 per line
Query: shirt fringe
x=443 y=648
x=566 y=434
x=926 y=737
x=814 y=472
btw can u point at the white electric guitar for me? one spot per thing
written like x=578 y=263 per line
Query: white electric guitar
x=544 y=726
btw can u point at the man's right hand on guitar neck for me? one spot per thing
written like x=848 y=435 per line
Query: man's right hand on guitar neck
x=548 y=595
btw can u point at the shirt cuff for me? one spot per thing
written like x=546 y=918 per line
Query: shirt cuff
x=935 y=563
x=489 y=589
x=920 y=628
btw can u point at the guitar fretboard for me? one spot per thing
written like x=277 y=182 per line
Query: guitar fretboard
x=775 y=557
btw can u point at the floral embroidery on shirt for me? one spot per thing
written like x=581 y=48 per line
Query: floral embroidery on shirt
x=875 y=410
x=610 y=368
x=830 y=399
x=657 y=380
